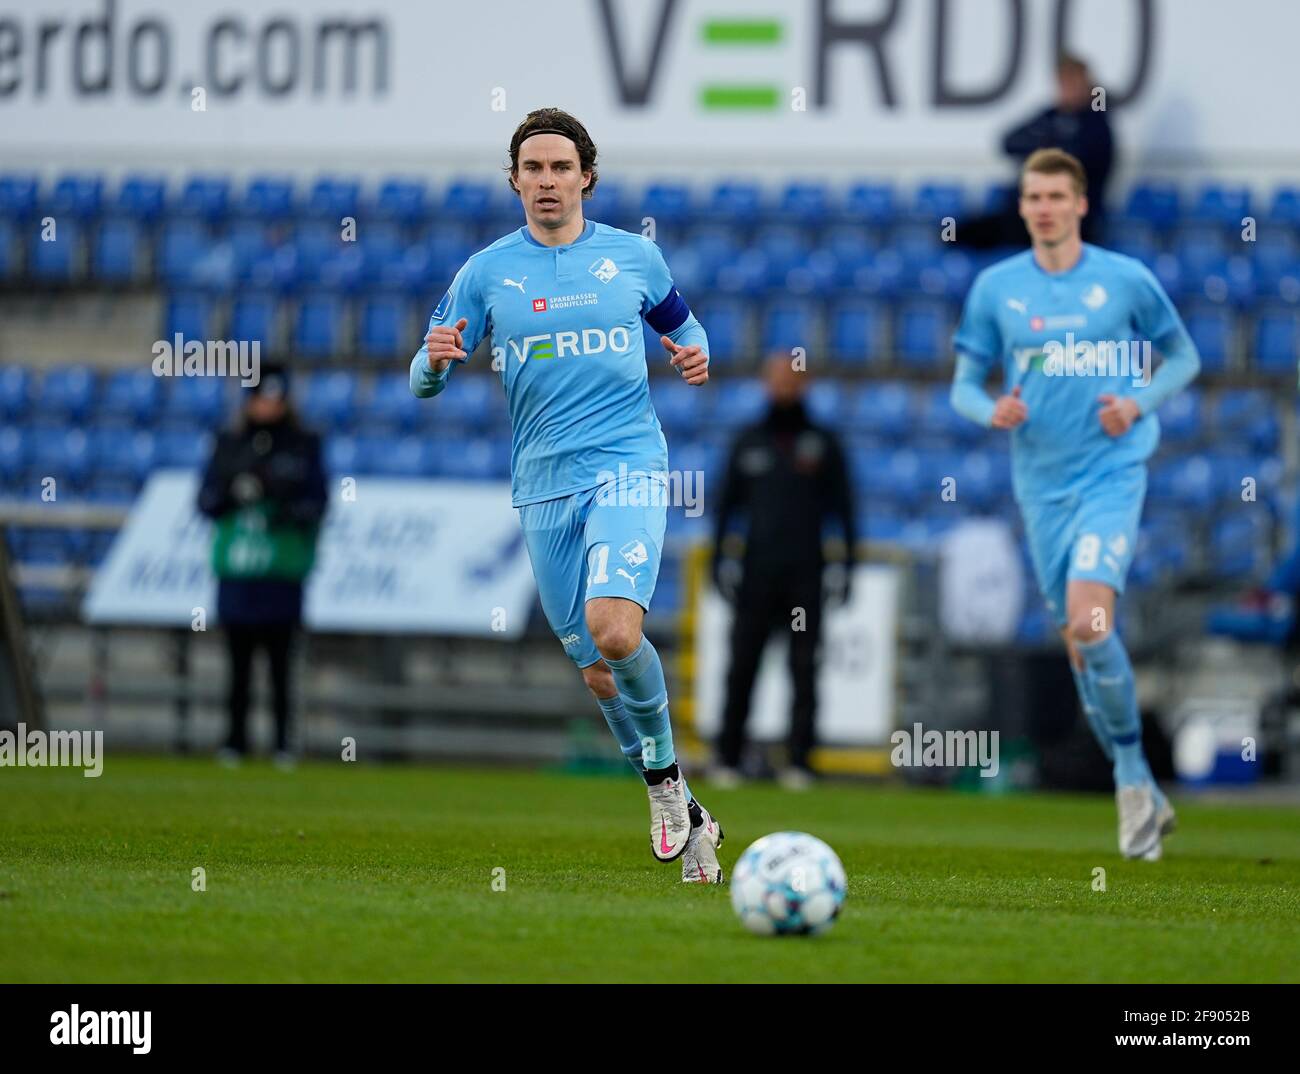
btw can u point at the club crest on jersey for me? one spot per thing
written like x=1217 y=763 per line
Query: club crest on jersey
x=1095 y=297
x=603 y=269
x=443 y=306
x=539 y=305
x=634 y=552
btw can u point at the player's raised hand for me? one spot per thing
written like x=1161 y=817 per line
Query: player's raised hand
x=691 y=362
x=446 y=345
x=1118 y=413
x=1010 y=411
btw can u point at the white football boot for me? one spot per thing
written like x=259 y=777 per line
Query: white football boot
x=670 y=820
x=700 y=861
x=1165 y=816
x=1139 y=822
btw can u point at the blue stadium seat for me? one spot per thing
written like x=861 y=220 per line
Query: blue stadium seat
x=1164 y=548
x=1211 y=329
x=385 y=327
x=59 y=452
x=1186 y=482
x=669 y=204
x=726 y=321
x=479 y=459
x=1181 y=417
x=1277 y=342
x=190 y=314
x=884 y=408
x=67 y=392
x=1239 y=415
x=468 y=202
x=183 y=244
x=333 y=198
x=141 y=198
x=735 y=201
x=176 y=450
x=612 y=203
x=403 y=201
x=738 y=402
x=16 y=389
x=790 y=324
x=873 y=204
x=133 y=395
x=268 y=197
x=808 y=204
x=10 y=249
x=1285 y=208
x=922 y=334
x=206 y=197
x=855 y=331
x=1239 y=545
x=1154 y=203
x=937 y=418
x=195 y=401
x=409 y=456
x=60 y=259
x=18 y=195
x=127 y=458
x=390 y=407
x=78 y=196
x=680 y=406
x=1220 y=204
x=935 y=200
x=1000 y=198
x=13 y=458
x=328 y=400
x=118 y=251
x=318 y=325
x=255 y=316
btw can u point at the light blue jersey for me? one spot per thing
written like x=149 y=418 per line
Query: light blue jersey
x=566 y=338
x=1065 y=339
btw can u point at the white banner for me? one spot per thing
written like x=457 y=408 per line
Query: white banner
x=664 y=80
x=438 y=557
x=855 y=681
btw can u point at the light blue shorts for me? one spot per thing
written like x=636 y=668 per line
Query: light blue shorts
x=1087 y=536
x=602 y=542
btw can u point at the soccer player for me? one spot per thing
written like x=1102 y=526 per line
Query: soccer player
x=563 y=299
x=1060 y=319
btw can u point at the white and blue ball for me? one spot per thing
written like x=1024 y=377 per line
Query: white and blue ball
x=788 y=884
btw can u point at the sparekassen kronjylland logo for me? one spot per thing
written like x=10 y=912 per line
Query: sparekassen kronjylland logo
x=53 y=749
x=1089 y=358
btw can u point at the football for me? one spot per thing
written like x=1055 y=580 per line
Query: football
x=788 y=884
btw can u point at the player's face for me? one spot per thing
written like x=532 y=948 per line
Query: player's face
x=1050 y=208
x=550 y=179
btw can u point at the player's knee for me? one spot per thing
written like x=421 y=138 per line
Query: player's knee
x=599 y=680
x=614 y=638
x=1087 y=627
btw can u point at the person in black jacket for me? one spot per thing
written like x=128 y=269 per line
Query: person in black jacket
x=265 y=488
x=788 y=475
x=1072 y=123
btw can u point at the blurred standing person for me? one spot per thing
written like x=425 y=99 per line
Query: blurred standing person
x=1071 y=123
x=788 y=475
x=265 y=488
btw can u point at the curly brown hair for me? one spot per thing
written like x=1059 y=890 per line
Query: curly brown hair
x=553 y=121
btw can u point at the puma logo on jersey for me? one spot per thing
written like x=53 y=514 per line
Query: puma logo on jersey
x=1017 y=305
x=511 y=283
x=631 y=578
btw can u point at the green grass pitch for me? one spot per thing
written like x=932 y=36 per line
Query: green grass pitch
x=351 y=872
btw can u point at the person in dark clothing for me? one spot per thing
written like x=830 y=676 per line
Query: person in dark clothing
x=788 y=475
x=1071 y=124
x=265 y=488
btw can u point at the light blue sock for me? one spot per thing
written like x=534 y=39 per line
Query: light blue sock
x=640 y=681
x=1091 y=713
x=621 y=724
x=1111 y=682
